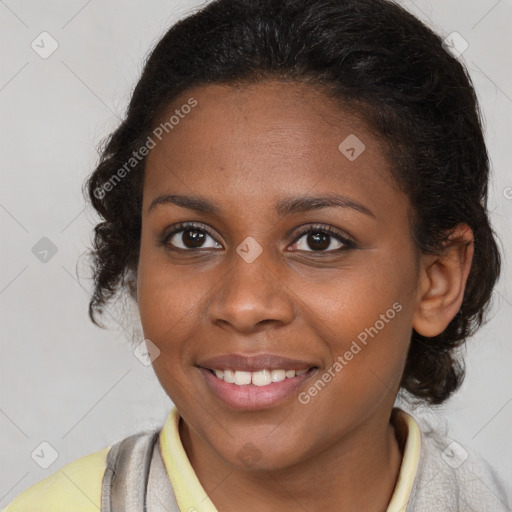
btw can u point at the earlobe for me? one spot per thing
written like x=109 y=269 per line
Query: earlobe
x=131 y=281
x=443 y=283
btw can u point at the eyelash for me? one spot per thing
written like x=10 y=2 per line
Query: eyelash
x=317 y=228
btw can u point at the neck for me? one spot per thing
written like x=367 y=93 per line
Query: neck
x=358 y=472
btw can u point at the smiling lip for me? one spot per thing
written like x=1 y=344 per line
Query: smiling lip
x=250 y=396
x=253 y=363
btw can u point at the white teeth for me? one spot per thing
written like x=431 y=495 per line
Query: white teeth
x=229 y=376
x=242 y=378
x=278 y=375
x=259 y=378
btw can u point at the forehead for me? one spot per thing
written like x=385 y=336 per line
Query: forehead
x=262 y=140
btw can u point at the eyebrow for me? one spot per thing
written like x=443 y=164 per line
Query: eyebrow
x=283 y=207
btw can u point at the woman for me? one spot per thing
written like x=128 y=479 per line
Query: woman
x=296 y=201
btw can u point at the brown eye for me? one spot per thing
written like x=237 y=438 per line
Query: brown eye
x=192 y=239
x=189 y=237
x=322 y=239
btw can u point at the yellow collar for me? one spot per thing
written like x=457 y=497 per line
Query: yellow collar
x=409 y=437
x=191 y=496
x=189 y=492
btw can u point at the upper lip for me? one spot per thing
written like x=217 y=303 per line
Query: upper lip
x=252 y=363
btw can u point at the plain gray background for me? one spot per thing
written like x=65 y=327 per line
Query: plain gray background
x=79 y=388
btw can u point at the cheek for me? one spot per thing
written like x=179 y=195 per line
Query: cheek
x=166 y=297
x=166 y=302
x=365 y=319
x=359 y=297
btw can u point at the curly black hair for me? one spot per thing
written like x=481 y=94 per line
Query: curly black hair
x=382 y=63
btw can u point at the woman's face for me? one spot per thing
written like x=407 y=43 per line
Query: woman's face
x=253 y=169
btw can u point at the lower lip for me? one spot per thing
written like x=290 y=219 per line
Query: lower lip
x=251 y=397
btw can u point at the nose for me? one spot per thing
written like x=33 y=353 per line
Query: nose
x=251 y=295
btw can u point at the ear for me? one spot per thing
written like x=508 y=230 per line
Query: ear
x=442 y=282
x=131 y=281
